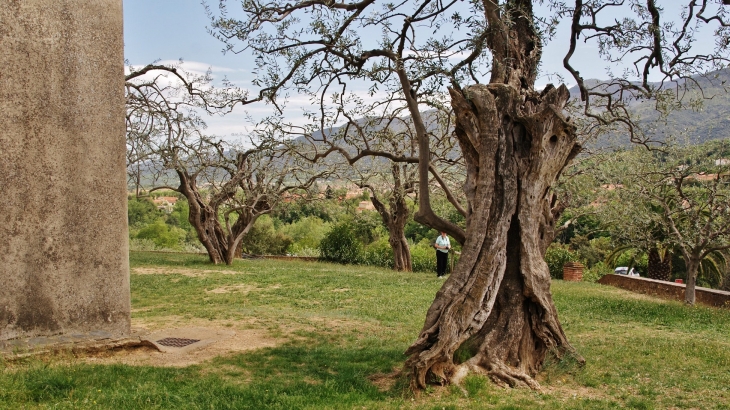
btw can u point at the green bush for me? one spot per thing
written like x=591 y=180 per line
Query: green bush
x=423 y=256
x=378 y=253
x=141 y=211
x=306 y=233
x=593 y=251
x=142 y=245
x=341 y=245
x=417 y=232
x=163 y=235
x=556 y=256
x=367 y=227
x=263 y=239
x=295 y=211
x=596 y=272
x=297 y=250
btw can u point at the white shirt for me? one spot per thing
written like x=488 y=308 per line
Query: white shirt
x=443 y=241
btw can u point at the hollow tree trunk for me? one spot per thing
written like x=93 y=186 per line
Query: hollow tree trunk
x=497 y=301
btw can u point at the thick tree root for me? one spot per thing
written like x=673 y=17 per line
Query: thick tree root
x=499 y=373
x=503 y=375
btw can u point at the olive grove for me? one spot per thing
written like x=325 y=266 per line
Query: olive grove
x=227 y=186
x=483 y=58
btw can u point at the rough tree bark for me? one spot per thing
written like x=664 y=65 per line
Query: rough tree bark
x=395 y=221
x=498 y=298
x=516 y=141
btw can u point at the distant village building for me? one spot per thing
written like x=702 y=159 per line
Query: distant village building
x=165 y=203
x=365 y=206
x=722 y=162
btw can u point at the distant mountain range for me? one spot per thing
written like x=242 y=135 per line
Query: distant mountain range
x=710 y=118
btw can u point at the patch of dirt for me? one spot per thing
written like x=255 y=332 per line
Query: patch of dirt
x=385 y=381
x=243 y=340
x=193 y=273
x=234 y=336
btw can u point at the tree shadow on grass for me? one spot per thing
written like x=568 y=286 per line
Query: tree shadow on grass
x=322 y=375
x=299 y=375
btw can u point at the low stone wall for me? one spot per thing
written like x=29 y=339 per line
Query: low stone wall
x=666 y=290
x=291 y=258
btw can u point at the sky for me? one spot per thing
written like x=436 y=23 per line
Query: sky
x=170 y=30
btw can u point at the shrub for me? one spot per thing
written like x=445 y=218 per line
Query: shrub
x=163 y=235
x=592 y=251
x=417 y=232
x=341 y=245
x=263 y=239
x=306 y=233
x=596 y=272
x=367 y=226
x=141 y=211
x=297 y=250
x=142 y=245
x=378 y=253
x=556 y=256
x=423 y=256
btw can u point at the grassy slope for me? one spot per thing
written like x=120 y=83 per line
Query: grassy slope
x=346 y=324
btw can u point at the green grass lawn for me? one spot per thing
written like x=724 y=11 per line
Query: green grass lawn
x=341 y=327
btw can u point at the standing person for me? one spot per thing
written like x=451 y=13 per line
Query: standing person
x=442 y=246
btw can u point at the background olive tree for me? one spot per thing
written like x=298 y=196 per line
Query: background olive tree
x=676 y=199
x=227 y=187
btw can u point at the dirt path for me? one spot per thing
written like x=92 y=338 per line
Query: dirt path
x=183 y=344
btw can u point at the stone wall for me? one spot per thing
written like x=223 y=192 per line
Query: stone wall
x=666 y=290
x=64 y=266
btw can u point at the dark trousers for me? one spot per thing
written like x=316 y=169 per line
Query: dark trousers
x=442 y=259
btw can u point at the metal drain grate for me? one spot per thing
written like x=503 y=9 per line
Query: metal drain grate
x=176 y=342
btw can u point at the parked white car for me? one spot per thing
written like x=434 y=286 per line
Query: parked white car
x=624 y=270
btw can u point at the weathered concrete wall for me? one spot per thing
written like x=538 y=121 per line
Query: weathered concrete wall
x=64 y=266
x=666 y=290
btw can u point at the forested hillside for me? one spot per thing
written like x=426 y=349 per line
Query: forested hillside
x=704 y=115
